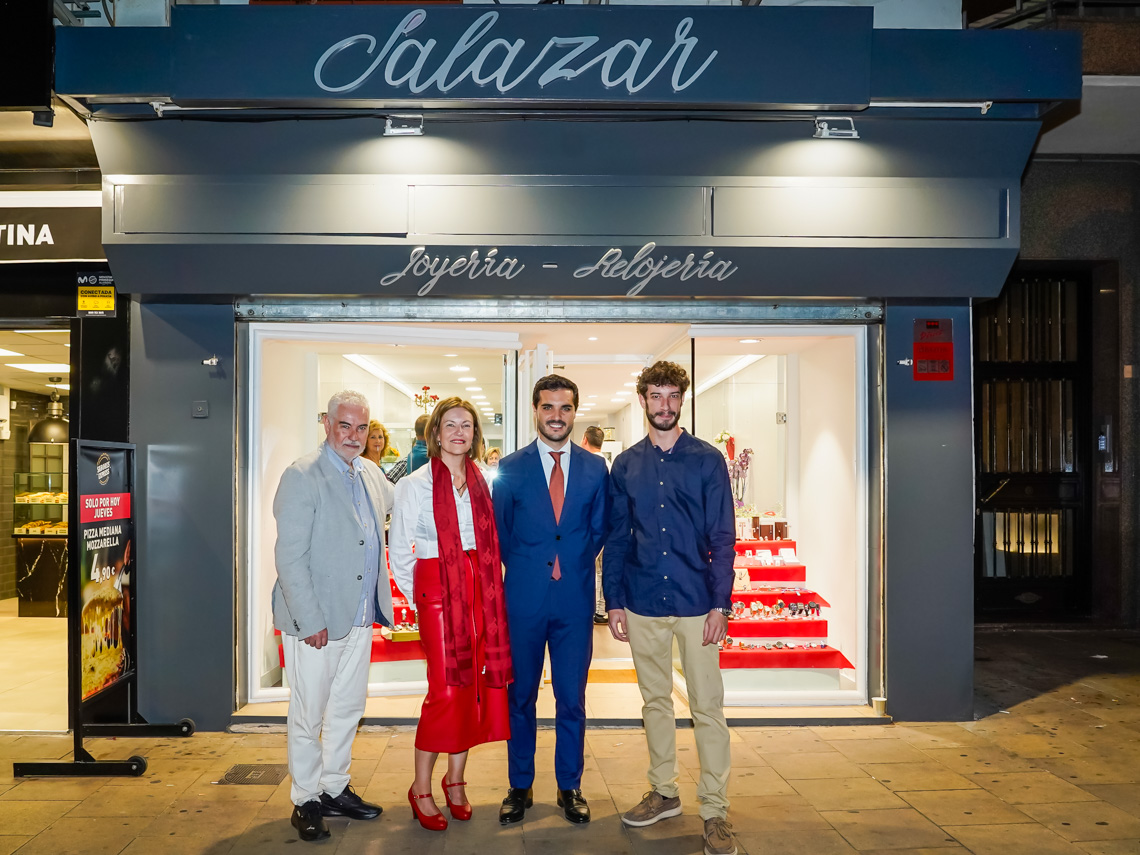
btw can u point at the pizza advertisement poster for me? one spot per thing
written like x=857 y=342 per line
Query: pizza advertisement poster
x=106 y=565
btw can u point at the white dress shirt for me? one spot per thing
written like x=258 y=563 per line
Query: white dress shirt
x=413 y=525
x=544 y=452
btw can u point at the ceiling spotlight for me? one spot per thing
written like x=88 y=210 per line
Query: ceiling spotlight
x=629 y=384
x=474 y=389
x=478 y=397
x=617 y=400
x=404 y=126
x=825 y=129
x=750 y=341
x=459 y=368
x=466 y=379
x=592 y=338
x=451 y=355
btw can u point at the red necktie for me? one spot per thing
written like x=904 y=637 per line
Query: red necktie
x=557 y=496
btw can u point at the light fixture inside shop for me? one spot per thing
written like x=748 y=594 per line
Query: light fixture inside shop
x=53 y=429
x=592 y=338
x=825 y=129
x=65 y=386
x=617 y=400
x=478 y=397
x=409 y=125
x=466 y=379
x=473 y=389
x=63 y=330
x=750 y=341
x=459 y=368
x=451 y=355
x=362 y=361
x=41 y=367
x=4 y=352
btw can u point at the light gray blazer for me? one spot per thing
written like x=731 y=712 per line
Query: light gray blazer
x=320 y=548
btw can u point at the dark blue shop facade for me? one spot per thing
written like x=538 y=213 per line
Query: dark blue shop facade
x=272 y=170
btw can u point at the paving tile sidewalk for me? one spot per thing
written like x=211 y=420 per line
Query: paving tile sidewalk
x=1051 y=765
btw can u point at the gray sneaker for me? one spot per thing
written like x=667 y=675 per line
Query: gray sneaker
x=718 y=837
x=652 y=808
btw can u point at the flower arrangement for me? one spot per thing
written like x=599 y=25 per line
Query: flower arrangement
x=729 y=442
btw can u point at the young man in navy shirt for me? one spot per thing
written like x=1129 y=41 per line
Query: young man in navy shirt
x=667 y=574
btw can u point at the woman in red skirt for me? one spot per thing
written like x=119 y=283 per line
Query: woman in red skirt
x=444 y=551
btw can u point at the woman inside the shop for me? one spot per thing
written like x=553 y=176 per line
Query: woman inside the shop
x=454 y=580
x=377 y=444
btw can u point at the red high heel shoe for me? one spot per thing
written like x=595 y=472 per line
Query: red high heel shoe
x=459 y=812
x=435 y=822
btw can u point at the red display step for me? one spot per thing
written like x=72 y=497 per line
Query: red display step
x=773 y=546
x=769 y=596
x=812 y=657
x=758 y=572
x=776 y=628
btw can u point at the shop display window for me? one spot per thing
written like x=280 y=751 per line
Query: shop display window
x=786 y=406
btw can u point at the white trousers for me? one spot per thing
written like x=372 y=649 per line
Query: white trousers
x=329 y=688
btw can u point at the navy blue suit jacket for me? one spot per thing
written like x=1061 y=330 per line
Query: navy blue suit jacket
x=529 y=539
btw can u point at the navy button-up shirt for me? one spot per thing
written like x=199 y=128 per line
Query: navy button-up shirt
x=672 y=536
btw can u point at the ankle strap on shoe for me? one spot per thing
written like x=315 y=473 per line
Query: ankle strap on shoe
x=448 y=786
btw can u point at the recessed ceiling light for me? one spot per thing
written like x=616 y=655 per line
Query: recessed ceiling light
x=4 y=352
x=466 y=379
x=617 y=400
x=592 y=338
x=750 y=341
x=41 y=332
x=451 y=355
x=591 y=396
x=630 y=384
x=635 y=374
x=474 y=389
x=623 y=393
x=42 y=367
x=460 y=368
x=66 y=386
x=478 y=397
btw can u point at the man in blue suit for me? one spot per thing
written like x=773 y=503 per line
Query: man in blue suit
x=551 y=507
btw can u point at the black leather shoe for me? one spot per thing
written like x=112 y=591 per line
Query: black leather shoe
x=348 y=804
x=308 y=821
x=573 y=805
x=515 y=804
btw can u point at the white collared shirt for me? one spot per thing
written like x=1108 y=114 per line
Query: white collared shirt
x=413 y=526
x=544 y=452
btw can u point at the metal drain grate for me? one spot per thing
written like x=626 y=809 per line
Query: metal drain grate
x=265 y=773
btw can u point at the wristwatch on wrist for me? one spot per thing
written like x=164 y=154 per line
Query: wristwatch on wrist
x=726 y=612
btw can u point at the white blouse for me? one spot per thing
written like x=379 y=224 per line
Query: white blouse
x=413 y=525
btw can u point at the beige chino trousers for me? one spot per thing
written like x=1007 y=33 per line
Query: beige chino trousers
x=651 y=642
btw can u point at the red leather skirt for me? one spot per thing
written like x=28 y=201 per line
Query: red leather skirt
x=454 y=718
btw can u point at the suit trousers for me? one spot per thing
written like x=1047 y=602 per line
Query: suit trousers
x=329 y=688
x=569 y=633
x=651 y=642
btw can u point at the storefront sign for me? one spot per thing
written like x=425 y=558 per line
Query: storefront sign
x=50 y=234
x=643 y=267
x=634 y=272
x=106 y=532
x=376 y=55
x=617 y=62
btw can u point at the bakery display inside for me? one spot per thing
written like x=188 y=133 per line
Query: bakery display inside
x=39 y=515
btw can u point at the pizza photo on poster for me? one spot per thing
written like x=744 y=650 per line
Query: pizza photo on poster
x=106 y=534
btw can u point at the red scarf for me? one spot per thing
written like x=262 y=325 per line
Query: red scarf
x=458 y=628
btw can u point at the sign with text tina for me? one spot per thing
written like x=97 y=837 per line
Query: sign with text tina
x=106 y=565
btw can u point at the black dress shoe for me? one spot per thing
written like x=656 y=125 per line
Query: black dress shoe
x=308 y=821
x=573 y=805
x=515 y=804
x=348 y=804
